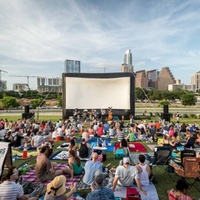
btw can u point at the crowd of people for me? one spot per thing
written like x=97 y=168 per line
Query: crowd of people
x=41 y=136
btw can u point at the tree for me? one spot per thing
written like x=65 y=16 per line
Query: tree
x=140 y=93
x=9 y=102
x=188 y=99
x=36 y=102
x=164 y=102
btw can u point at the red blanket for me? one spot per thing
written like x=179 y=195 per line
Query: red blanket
x=136 y=146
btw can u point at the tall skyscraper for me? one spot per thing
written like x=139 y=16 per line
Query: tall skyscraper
x=127 y=65
x=72 y=66
x=128 y=57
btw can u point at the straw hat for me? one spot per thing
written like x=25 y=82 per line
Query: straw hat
x=57 y=186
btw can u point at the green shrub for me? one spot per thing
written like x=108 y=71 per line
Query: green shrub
x=185 y=115
x=193 y=116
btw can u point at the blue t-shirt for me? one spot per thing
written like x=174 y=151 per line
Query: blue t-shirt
x=101 y=193
x=106 y=127
x=90 y=169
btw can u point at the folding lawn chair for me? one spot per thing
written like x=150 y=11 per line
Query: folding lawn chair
x=191 y=171
x=162 y=156
x=187 y=153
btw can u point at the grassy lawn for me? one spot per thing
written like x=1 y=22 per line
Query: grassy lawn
x=165 y=181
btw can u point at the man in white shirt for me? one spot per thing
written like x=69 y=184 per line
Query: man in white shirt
x=125 y=175
x=10 y=190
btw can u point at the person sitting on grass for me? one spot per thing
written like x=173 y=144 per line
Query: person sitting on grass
x=73 y=146
x=98 y=191
x=92 y=167
x=41 y=150
x=181 y=191
x=125 y=175
x=124 y=146
x=9 y=189
x=190 y=143
x=143 y=170
x=56 y=189
x=74 y=164
x=171 y=141
x=131 y=136
x=44 y=168
x=84 y=149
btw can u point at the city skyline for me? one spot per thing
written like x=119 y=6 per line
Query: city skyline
x=38 y=36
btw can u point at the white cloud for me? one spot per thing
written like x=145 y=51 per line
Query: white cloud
x=37 y=36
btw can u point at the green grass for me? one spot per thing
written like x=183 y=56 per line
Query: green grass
x=165 y=182
x=54 y=119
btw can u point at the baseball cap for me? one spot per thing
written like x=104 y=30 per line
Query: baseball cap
x=126 y=160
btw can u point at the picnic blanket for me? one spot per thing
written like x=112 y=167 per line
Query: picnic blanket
x=63 y=146
x=30 y=176
x=64 y=155
x=150 y=189
x=151 y=146
x=148 y=157
x=93 y=142
x=136 y=146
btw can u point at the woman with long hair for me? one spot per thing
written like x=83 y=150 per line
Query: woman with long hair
x=74 y=164
x=72 y=146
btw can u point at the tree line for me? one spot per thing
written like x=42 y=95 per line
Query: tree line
x=186 y=97
x=10 y=99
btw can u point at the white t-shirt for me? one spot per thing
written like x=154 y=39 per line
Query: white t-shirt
x=126 y=175
x=38 y=140
x=2 y=133
x=9 y=190
x=86 y=136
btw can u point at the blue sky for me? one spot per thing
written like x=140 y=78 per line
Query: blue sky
x=38 y=35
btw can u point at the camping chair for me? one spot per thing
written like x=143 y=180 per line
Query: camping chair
x=191 y=171
x=162 y=156
x=187 y=153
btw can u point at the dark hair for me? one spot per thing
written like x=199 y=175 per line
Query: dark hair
x=72 y=142
x=175 y=134
x=78 y=161
x=181 y=185
x=83 y=140
x=141 y=158
x=48 y=152
x=124 y=143
x=9 y=173
x=44 y=148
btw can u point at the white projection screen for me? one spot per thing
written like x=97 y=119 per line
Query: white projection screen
x=98 y=91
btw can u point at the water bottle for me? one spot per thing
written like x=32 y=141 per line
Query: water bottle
x=24 y=169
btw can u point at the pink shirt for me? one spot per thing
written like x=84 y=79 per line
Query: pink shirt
x=171 y=132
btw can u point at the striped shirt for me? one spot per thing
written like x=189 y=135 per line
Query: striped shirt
x=9 y=190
